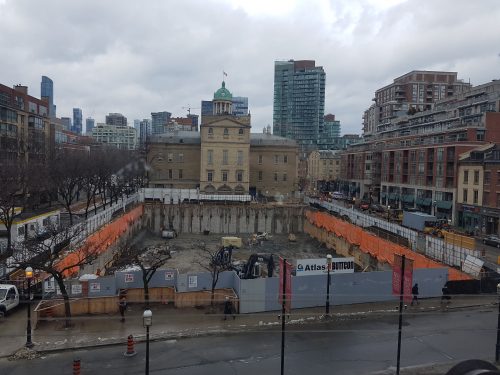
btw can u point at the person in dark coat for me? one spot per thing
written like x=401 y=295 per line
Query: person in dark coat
x=122 y=305
x=228 y=308
x=414 y=291
x=445 y=298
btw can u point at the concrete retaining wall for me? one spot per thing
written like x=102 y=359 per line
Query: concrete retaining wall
x=230 y=218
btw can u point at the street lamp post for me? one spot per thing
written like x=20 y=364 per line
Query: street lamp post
x=28 y=273
x=388 y=213
x=497 y=351
x=328 y=267
x=147 y=318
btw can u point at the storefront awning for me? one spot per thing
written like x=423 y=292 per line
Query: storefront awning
x=424 y=201
x=408 y=198
x=445 y=205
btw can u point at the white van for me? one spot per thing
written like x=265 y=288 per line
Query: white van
x=9 y=298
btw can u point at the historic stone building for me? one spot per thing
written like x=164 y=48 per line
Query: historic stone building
x=224 y=158
x=225 y=148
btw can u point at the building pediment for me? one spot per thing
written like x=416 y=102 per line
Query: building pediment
x=225 y=121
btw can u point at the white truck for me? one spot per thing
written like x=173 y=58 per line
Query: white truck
x=9 y=298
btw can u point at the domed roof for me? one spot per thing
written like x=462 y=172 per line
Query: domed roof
x=223 y=93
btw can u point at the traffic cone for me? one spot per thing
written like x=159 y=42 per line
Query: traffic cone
x=130 y=347
x=76 y=367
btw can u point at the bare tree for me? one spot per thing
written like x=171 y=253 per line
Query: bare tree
x=10 y=196
x=58 y=252
x=215 y=262
x=89 y=182
x=66 y=178
x=149 y=259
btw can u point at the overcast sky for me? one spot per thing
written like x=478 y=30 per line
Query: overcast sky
x=135 y=57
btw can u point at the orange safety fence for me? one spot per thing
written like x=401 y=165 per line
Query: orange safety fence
x=377 y=247
x=98 y=242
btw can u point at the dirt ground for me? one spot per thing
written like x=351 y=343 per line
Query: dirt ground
x=187 y=253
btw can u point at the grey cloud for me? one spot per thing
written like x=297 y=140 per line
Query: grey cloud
x=138 y=57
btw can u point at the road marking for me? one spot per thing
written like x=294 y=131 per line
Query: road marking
x=437 y=350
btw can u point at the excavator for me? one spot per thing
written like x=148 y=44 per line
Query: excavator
x=250 y=269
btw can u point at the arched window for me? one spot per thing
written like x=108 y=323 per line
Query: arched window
x=240 y=131
x=226 y=131
x=210 y=131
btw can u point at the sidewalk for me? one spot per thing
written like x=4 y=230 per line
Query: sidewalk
x=171 y=323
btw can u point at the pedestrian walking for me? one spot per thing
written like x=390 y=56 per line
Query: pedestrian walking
x=414 y=291
x=445 y=298
x=228 y=308
x=122 y=305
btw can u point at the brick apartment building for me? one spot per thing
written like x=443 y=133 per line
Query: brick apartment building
x=24 y=125
x=478 y=193
x=412 y=160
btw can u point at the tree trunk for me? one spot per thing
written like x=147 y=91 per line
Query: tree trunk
x=67 y=307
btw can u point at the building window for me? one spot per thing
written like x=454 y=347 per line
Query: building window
x=260 y=175
x=210 y=176
x=170 y=174
x=476 y=197
x=465 y=196
x=240 y=131
x=239 y=176
x=180 y=174
x=180 y=157
x=260 y=159
x=486 y=198
x=487 y=177
x=466 y=177
x=276 y=176
x=285 y=159
x=224 y=176
x=224 y=157
x=498 y=200
x=170 y=157
x=210 y=156
x=276 y=159
x=284 y=177
x=210 y=131
x=476 y=177
x=240 y=157
x=226 y=131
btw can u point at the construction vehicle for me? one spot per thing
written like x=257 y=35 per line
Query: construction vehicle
x=223 y=257
x=425 y=223
x=437 y=228
x=252 y=269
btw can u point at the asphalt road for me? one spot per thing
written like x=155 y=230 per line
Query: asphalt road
x=346 y=347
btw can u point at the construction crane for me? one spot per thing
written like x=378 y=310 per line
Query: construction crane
x=189 y=108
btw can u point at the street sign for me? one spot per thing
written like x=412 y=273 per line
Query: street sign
x=306 y=267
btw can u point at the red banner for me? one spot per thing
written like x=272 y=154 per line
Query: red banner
x=287 y=279
x=408 y=277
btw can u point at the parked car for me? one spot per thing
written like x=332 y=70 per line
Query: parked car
x=364 y=206
x=492 y=240
x=377 y=208
x=9 y=298
x=337 y=195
